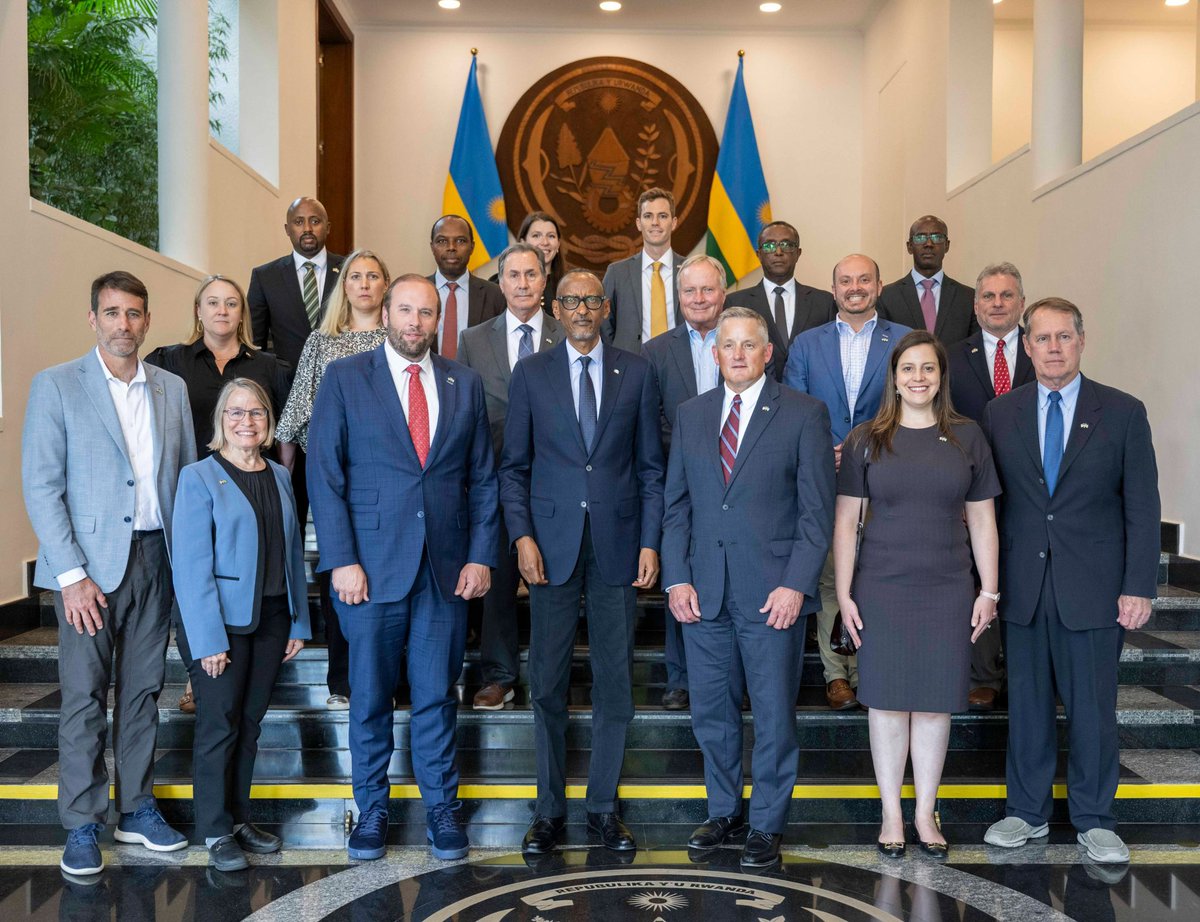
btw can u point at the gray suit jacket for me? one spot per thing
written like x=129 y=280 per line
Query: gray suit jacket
x=623 y=287
x=485 y=350
x=76 y=472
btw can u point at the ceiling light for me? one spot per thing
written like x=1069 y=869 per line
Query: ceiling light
x=610 y=6
x=1177 y=2
x=770 y=7
x=994 y=2
x=449 y=4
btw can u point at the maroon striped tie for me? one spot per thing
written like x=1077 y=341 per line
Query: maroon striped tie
x=729 y=436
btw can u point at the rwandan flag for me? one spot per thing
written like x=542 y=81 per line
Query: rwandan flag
x=738 y=206
x=473 y=186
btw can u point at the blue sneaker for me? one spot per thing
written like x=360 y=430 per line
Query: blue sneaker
x=445 y=833
x=82 y=855
x=146 y=826
x=369 y=839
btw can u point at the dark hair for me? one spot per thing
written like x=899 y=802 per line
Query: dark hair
x=410 y=277
x=558 y=264
x=767 y=227
x=1061 y=305
x=655 y=192
x=433 y=230
x=880 y=432
x=571 y=273
x=120 y=280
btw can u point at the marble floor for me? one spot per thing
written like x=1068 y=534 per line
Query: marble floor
x=658 y=884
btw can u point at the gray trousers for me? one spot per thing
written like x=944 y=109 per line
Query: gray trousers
x=136 y=625
x=835 y=665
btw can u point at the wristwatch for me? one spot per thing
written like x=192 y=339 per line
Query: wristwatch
x=994 y=596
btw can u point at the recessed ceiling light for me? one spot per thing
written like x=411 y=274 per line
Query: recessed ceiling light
x=1177 y=2
x=610 y=6
x=770 y=7
x=449 y=4
x=997 y=1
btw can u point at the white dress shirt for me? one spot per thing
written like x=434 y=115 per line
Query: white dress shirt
x=937 y=277
x=595 y=370
x=321 y=261
x=398 y=366
x=513 y=339
x=789 y=303
x=749 y=401
x=667 y=270
x=461 y=295
x=990 y=343
x=1070 y=396
x=132 y=403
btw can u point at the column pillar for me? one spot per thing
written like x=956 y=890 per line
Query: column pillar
x=183 y=200
x=968 y=91
x=1057 y=137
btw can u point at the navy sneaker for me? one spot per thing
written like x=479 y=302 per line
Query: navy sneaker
x=82 y=855
x=369 y=839
x=146 y=826
x=445 y=833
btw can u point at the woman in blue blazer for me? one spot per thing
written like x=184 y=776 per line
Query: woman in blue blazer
x=238 y=565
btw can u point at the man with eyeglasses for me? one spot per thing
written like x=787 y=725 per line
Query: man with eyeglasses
x=985 y=365
x=581 y=484
x=926 y=298
x=789 y=306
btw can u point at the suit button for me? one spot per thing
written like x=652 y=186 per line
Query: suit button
x=583 y=504
x=420 y=515
x=1042 y=554
x=129 y=483
x=846 y=418
x=1050 y=518
x=1040 y=480
x=720 y=544
x=128 y=519
x=724 y=505
x=588 y=468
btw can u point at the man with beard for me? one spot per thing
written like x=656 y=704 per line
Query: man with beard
x=926 y=298
x=105 y=438
x=582 y=486
x=403 y=486
x=844 y=363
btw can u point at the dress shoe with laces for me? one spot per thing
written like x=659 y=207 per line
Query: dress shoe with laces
x=252 y=839
x=715 y=831
x=226 y=855
x=840 y=695
x=613 y=833
x=368 y=841
x=543 y=834
x=492 y=697
x=761 y=849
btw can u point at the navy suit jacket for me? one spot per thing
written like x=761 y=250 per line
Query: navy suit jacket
x=814 y=366
x=971 y=380
x=372 y=502
x=956 y=318
x=1099 y=532
x=549 y=482
x=771 y=525
x=276 y=305
x=813 y=308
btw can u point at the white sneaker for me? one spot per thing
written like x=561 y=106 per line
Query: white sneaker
x=1104 y=846
x=1013 y=832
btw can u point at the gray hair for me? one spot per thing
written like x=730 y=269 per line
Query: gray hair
x=745 y=313
x=994 y=269
x=519 y=247
x=704 y=259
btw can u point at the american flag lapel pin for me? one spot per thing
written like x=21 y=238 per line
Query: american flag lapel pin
x=973 y=351
x=1083 y=425
x=449 y=380
x=616 y=371
x=884 y=338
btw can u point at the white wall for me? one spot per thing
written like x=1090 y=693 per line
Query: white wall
x=51 y=259
x=804 y=94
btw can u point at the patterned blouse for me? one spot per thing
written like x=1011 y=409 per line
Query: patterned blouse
x=319 y=351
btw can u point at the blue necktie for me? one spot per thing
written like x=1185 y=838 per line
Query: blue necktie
x=525 y=346
x=587 y=403
x=1052 y=449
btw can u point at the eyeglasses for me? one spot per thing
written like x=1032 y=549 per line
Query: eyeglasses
x=920 y=239
x=572 y=302
x=237 y=414
x=784 y=246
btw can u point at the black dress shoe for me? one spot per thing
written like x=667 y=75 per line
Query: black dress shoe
x=612 y=832
x=543 y=834
x=715 y=830
x=675 y=699
x=891 y=849
x=937 y=850
x=253 y=839
x=226 y=855
x=761 y=849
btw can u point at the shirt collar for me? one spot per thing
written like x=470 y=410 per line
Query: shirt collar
x=441 y=281
x=789 y=287
x=398 y=363
x=1009 y=340
x=667 y=260
x=1069 y=393
x=844 y=329
x=918 y=278
x=597 y=354
x=198 y=347
x=513 y=322
x=750 y=395
x=138 y=378
x=694 y=334
x=320 y=260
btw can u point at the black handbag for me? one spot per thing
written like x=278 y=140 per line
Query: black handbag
x=840 y=640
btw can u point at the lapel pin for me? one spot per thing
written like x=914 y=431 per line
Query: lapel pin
x=973 y=351
x=884 y=338
x=616 y=371
x=222 y=482
x=449 y=380
x=335 y=269
x=766 y=409
x=158 y=389
x=942 y=438
x=1083 y=425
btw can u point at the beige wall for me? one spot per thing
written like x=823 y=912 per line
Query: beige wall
x=51 y=259
x=1133 y=77
x=804 y=94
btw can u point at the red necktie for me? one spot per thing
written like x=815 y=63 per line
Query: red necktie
x=729 y=436
x=1001 y=381
x=418 y=414
x=449 y=346
x=928 y=307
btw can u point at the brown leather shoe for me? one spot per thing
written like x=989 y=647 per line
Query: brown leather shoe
x=187 y=703
x=492 y=697
x=981 y=699
x=840 y=695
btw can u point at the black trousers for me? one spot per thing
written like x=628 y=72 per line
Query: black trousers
x=229 y=712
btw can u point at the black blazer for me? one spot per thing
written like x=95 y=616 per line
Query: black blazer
x=1099 y=532
x=956 y=321
x=485 y=300
x=276 y=305
x=813 y=308
x=971 y=379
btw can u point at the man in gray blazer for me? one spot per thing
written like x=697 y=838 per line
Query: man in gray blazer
x=644 y=289
x=492 y=349
x=105 y=437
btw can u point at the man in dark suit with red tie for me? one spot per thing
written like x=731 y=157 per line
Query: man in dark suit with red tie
x=985 y=365
x=788 y=306
x=466 y=301
x=926 y=298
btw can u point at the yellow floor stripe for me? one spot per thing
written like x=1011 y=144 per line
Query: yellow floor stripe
x=630 y=791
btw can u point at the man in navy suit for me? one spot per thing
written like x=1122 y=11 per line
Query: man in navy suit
x=844 y=365
x=986 y=365
x=403 y=485
x=1079 y=546
x=926 y=298
x=581 y=483
x=741 y=557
